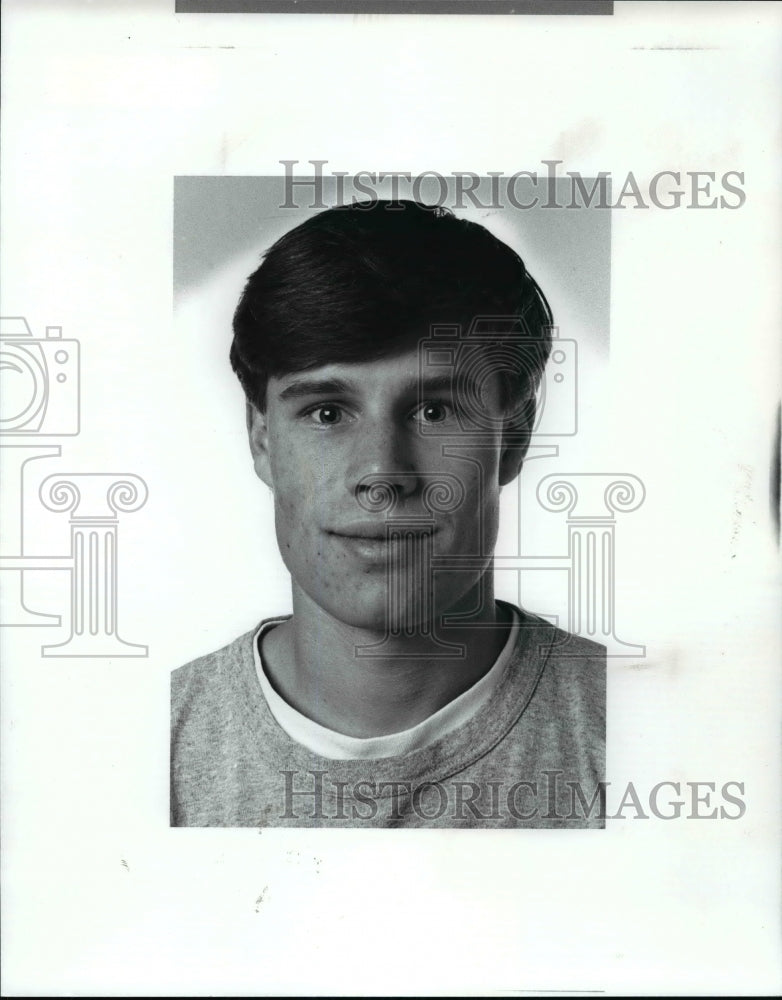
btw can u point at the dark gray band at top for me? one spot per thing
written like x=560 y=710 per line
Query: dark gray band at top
x=395 y=7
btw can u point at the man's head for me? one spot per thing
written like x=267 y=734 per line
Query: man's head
x=333 y=339
x=361 y=282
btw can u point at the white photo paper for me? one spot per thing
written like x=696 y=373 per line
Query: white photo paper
x=629 y=154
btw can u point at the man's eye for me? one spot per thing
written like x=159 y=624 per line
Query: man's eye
x=326 y=415
x=433 y=413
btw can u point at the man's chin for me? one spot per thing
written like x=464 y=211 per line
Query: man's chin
x=403 y=609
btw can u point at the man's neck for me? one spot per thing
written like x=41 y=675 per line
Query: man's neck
x=312 y=662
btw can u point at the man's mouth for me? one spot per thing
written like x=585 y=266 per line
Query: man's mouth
x=370 y=530
x=379 y=541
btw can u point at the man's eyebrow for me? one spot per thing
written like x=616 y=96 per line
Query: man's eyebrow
x=315 y=387
x=436 y=383
x=443 y=382
x=455 y=382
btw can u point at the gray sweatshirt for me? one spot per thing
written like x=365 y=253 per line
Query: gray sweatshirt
x=532 y=756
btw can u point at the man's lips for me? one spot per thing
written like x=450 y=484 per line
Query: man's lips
x=376 y=530
x=375 y=545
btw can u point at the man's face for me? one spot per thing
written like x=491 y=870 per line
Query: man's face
x=336 y=443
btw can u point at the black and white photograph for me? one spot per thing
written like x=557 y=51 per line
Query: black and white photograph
x=392 y=355
x=389 y=498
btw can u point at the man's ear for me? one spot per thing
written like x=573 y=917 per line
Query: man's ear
x=511 y=461
x=258 y=433
x=515 y=442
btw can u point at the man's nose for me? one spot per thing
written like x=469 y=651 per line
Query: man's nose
x=382 y=454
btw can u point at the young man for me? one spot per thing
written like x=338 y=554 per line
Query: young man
x=390 y=354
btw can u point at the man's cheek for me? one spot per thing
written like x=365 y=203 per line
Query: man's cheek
x=289 y=521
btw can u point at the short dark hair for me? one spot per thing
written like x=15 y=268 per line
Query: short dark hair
x=366 y=281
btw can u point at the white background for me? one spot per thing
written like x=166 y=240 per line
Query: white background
x=104 y=103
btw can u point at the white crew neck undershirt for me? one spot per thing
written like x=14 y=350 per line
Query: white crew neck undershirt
x=337 y=746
